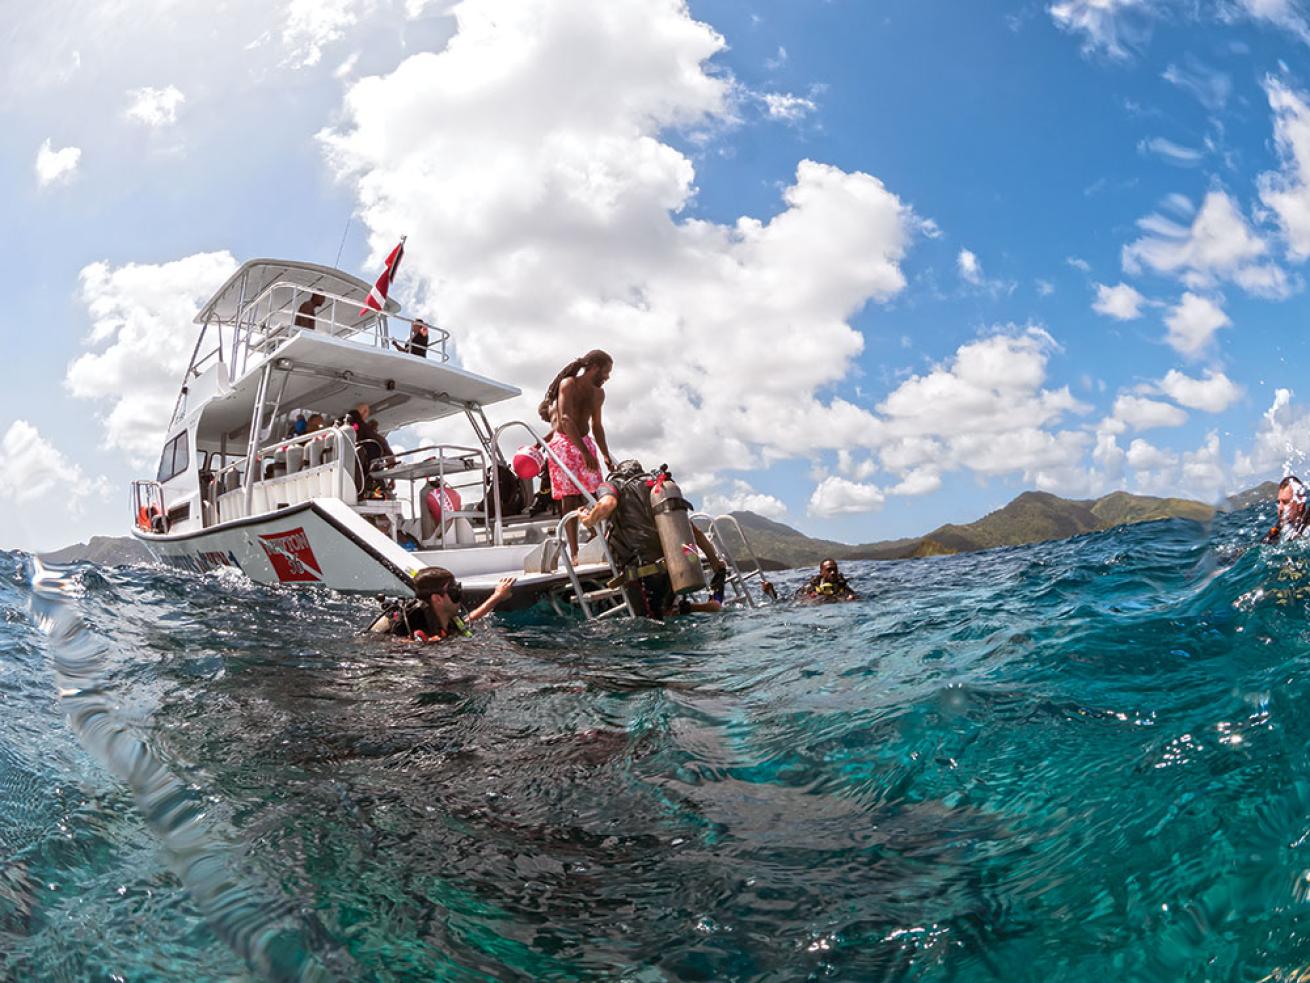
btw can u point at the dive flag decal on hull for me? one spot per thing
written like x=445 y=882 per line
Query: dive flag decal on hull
x=292 y=558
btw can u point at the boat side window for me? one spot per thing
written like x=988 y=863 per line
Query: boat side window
x=174 y=460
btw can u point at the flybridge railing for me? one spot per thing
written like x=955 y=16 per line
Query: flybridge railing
x=274 y=315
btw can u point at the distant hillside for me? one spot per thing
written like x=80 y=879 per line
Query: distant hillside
x=108 y=551
x=780 y=547
x=1260 y=493
x=1035 y=517
x=1032 y=517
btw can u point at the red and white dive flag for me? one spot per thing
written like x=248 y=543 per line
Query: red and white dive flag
x=377 y=297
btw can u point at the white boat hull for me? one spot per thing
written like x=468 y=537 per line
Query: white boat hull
x=321 y=542
x=325 y=543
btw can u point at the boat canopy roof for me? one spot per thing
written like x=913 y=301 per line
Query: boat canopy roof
x=331 y=375
x=256 y=275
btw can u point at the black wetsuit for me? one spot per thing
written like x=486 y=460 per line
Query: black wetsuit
x=411 y=618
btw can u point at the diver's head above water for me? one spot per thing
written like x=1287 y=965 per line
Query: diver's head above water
x=828 y=572
x=1292 y=514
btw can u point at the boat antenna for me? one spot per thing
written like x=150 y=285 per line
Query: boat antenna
x=336 y=264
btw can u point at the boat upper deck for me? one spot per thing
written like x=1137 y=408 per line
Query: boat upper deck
x=308 y=325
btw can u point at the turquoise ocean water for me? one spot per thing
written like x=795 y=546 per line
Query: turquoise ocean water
x=1083 y=760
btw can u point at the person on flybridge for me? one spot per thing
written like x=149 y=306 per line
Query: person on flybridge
x=418 y=340
x=307 y=313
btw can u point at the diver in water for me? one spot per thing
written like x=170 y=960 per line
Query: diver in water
x=1293 y=516
x=624 y=501
x=435 y=614
x=827 y=586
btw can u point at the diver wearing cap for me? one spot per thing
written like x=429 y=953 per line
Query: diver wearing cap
x=435 y=614
x=828 y=585
x=1293 y=516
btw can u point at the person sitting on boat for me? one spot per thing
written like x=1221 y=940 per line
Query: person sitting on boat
x=828 y=585
x=370 y=447
x=573 y=406
x=1293 y=516
x=315 y=423
x=306 y=313
x=435 y=614
x=418 y=340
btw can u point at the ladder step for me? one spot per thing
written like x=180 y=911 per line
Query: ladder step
x=597 y=595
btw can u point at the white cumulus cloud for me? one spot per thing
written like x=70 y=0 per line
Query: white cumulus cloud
x=546 y=216
x=1141 y=413
x=32 y=469
x=1192 y=323
x=987 y=410
x=1287 y=191
x=1213 y=394
x=155 y=107
x=1120 y=302
x=140 y=339
x=56 y=166
x=740 y=496
x=840 y=496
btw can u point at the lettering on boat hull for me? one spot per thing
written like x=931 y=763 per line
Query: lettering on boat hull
x=292 y=557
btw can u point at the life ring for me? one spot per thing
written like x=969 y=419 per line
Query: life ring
x=528 y=461
x=440 y=500
x=143 y=519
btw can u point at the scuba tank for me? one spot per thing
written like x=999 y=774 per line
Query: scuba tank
x=682 y=561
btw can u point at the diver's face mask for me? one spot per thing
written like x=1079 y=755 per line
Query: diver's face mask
x=454 y=590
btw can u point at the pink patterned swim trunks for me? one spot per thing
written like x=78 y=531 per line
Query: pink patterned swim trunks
x=561 y=486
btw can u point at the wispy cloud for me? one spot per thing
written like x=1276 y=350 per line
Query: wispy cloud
x=1170 y=152
x=1209 y=86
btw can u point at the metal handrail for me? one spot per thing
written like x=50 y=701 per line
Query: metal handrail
x=155 y=495
x=578 y=592
x=737 y=578
x=249 y=316
x=339 y=447
x=463 y=451
x=495 y=441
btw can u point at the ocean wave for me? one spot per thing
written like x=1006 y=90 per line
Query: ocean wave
x=1064 y=760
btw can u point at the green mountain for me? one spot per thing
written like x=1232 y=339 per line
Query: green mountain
x=1032 y=517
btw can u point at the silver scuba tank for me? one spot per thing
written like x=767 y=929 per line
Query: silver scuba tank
x=672 y=513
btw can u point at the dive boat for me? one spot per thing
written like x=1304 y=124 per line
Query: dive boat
x=245 y=482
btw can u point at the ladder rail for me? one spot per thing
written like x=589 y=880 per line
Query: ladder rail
x=736 y=577
x=583 y=597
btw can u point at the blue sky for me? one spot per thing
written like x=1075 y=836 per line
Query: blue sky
x=864 y=267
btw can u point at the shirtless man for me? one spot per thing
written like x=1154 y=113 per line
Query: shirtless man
x=573 y=407
x=305 y=313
